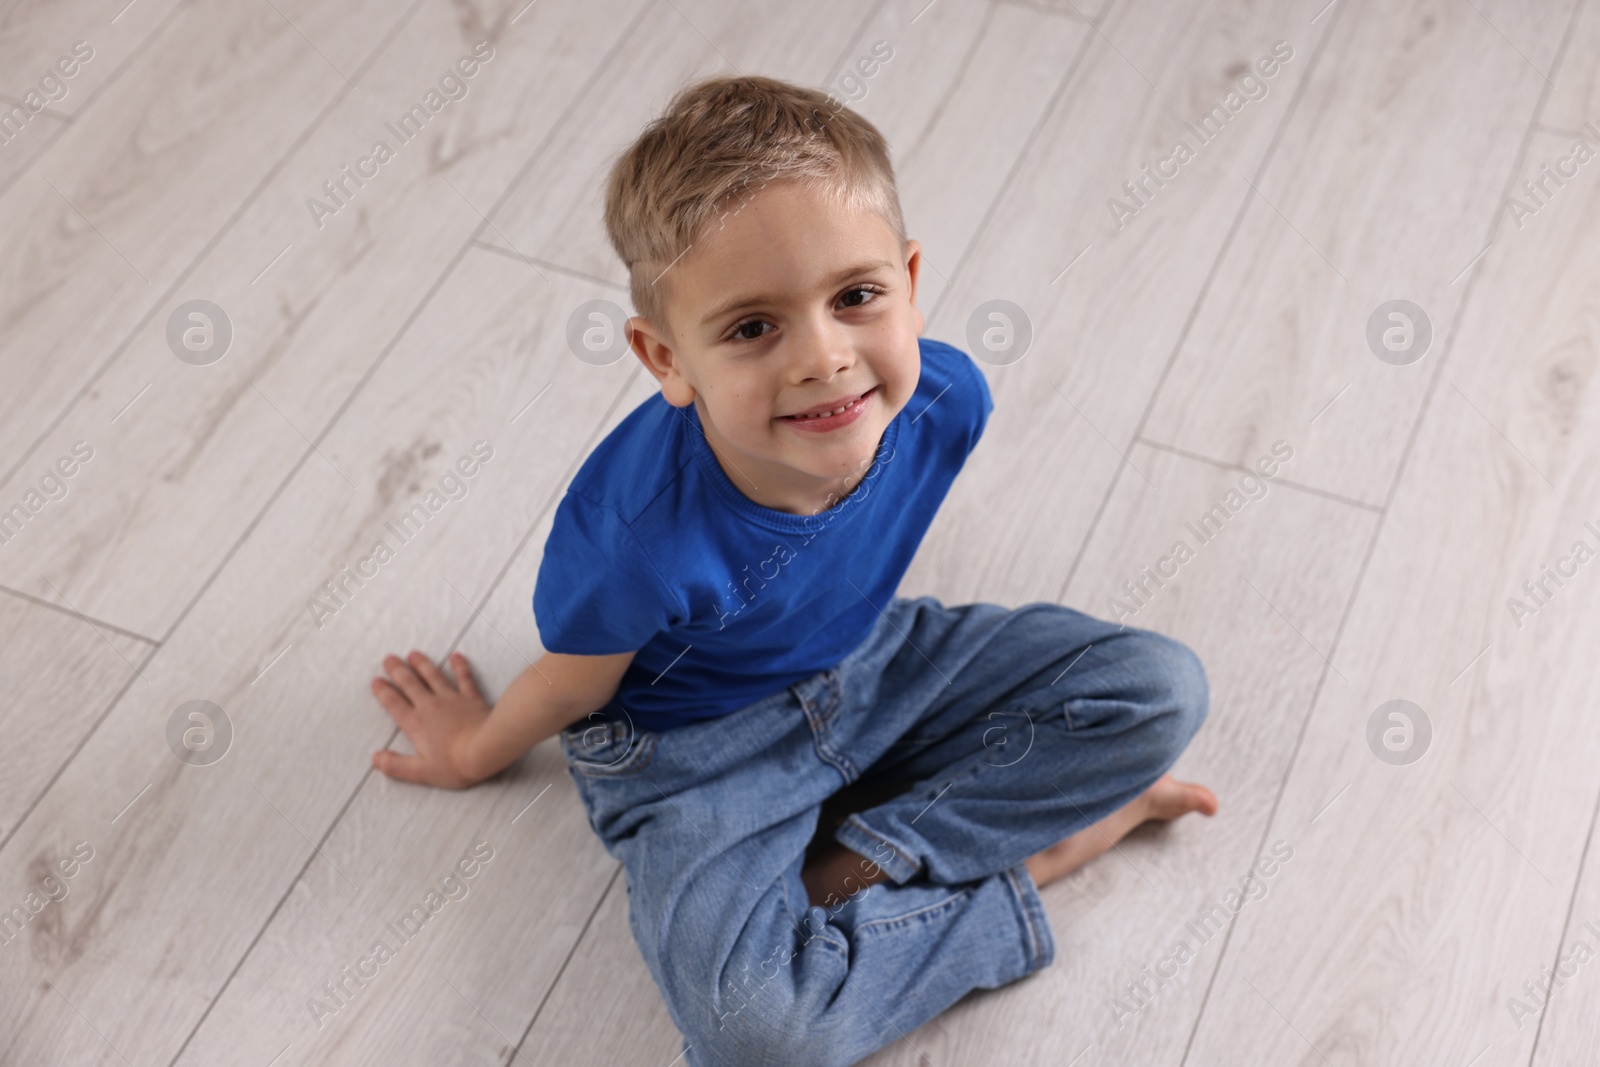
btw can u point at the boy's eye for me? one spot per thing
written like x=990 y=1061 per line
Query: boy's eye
x=755 y=329
x=870 y=290
x=740 y=331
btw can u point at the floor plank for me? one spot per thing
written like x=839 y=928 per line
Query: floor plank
x=1106 y=304
x=191 y=454
x=118 y=209
x=1384 y=188
x=554 y=214
x=35 y=37
x=183 y=884
x=961 y=76
x=59 y=672
x=1458 y=869
x=1257 y=602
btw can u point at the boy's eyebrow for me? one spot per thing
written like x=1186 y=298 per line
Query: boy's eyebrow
x=837 y=278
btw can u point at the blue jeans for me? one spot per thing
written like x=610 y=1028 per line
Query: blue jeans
x=990 y=732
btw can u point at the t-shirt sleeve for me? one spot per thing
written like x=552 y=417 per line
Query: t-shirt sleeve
x=982 y=403
x=598 y=592
x=986 y=402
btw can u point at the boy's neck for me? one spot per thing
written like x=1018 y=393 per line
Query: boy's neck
x=778 y=487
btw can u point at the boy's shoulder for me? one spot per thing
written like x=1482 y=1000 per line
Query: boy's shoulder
x=645 y=454
x=638 y=460
x=950 y=367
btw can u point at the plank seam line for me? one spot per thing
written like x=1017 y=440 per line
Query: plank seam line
x=571 y=272
x=1286 y=482
x=1383 y=515
x=211 y=244
x=138 y=50
x=113 y=627
x=1072 y=71
x=852 y=44
x=1200 y=297
x=604 y=65
x=562 y=970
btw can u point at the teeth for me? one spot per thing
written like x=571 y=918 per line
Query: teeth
x=827 y=414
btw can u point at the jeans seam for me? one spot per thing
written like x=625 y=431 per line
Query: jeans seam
x=647 y=743
x=818 y=717
x=936 y=905
x=854 y=820
x=1035 y=946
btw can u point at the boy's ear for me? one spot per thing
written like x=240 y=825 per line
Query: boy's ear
x=655 y=351
x=913 y=270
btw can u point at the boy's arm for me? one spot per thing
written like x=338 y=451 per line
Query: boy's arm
x=459 y=739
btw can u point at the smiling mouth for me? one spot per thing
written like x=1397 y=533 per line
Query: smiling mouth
x=842 y=414
x=838 y=409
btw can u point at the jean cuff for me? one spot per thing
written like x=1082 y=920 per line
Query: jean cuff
x=1039 y=943
x=855 y=835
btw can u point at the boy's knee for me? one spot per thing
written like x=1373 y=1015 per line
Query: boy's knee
x=770 y=1033
x=1185 y=689
x=1171 y=684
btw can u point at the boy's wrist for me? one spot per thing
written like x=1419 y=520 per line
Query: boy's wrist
x=469 y=758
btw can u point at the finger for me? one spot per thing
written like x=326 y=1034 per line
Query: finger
x=464 y=678
x=406 y=678
x=401 y=767
x=392 y=698
x=430 y=672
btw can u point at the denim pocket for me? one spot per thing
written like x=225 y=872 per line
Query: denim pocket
x=607 y=748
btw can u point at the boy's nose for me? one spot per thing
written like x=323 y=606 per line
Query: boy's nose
x=823 y=353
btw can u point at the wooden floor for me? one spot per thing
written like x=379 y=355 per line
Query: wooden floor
x=1416 y=907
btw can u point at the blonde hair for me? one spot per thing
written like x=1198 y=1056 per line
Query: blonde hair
x=725 y=137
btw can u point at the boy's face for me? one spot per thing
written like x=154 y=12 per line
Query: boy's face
x=790 y=304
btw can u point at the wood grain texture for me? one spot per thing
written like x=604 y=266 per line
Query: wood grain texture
x=1106 y=304
x=34 y=37
x=60 y=672
x=183 y=885
x=24 y=140
x=123 y=203
x=1384 y=188
x=1257 y=602
x=1456 y=873
x=967 y=87
x=200 y=450
x=555 y=212
x=221 y=900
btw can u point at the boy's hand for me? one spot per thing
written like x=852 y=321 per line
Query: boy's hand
x=440 y=717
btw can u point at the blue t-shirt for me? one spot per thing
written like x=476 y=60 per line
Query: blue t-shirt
x=726 y=601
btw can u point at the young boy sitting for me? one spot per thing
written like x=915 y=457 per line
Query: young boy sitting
x=725 y=652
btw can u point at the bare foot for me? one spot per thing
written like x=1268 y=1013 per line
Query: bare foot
x=836 y=874
x=1167 y=799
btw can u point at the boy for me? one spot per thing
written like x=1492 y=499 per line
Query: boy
x=725 y=651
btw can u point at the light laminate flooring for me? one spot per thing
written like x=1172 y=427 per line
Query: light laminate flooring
x=1433 y=871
